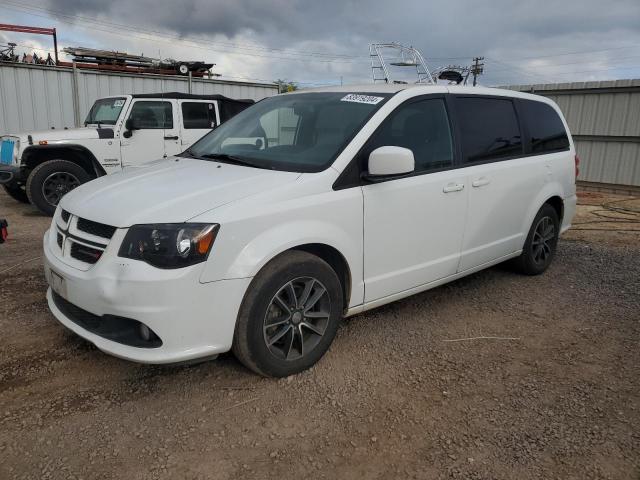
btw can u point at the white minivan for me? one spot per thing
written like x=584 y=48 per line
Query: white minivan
x=303 y=209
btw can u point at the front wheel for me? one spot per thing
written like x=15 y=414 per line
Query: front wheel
x=542 y=240
x=51 y=180
x=289 y=316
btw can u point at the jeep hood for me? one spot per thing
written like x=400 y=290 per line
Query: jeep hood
x=172 y=190
x=63 y=135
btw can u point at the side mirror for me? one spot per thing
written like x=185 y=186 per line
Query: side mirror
x=387 y=162
x=131 y=124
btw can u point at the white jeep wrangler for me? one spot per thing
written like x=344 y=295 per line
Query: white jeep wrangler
x=120 y=131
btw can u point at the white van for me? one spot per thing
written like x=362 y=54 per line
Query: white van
x=121 y=131
x=305 y=208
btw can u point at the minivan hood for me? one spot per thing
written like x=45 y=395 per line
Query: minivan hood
x=172 y=190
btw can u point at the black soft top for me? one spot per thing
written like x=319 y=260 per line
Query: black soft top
x=191 y=96
x=228 y=107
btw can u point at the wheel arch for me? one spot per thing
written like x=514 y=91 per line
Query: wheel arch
x=336 y=261
x=550 y=194
x=78 y=154
x=558 y=205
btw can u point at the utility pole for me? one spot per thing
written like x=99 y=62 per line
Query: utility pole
x=477 y=69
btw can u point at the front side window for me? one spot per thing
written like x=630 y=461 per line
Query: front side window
x=149 y=115
x=489 y=129
x=302 y=132
x=105 y=111
x=423 y=128
x=546 y=130
x=198 y=115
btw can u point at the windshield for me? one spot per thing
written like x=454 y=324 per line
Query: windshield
x=105 y=111
x=302 y=132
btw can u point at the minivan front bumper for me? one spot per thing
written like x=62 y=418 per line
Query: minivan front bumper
x=192 y=319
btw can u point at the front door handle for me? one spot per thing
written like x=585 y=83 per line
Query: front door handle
x=480 y=182
x=453 y=187
x=172 y=138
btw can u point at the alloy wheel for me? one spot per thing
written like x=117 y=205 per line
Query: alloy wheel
x=57 y=185
x=297 y=318
x=543 y=240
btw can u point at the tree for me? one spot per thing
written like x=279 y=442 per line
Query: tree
x=286 y=86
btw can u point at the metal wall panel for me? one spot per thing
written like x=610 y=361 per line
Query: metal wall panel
x=604 y=118
x=34 y=97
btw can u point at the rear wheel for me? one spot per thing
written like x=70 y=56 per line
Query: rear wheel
x=16 y=192
x=289 y=316
x=542 y=240
x=51 y=180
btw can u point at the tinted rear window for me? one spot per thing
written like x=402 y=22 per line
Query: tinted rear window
x=546 y=130
x=198 y=115
x=489 y=128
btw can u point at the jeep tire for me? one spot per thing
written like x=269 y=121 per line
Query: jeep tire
x=51 y=180
x=16 y=192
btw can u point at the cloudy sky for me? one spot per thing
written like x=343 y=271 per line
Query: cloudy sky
x=326 y=42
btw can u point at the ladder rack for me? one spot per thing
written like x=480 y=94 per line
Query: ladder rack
x=383 y=55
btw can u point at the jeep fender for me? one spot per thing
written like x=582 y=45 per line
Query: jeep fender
x=34 y=155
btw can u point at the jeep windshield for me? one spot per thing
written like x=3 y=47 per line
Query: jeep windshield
x=105 y=111
x=302 y=132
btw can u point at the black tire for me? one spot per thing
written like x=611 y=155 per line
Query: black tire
x=542 y=240
x=17 y=193
x=45 y=192
x=252 y=339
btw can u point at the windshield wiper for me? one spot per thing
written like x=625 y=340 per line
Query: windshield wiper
x=226 y=158
x=187 y=153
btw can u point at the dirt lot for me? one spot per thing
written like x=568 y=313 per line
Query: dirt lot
x=395 y=397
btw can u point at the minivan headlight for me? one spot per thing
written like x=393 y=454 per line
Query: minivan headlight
x=169 y=245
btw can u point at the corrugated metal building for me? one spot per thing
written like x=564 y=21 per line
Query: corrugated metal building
x=604 y=118
x=34 y=97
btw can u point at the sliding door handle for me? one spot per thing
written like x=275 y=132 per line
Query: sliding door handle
x=453 y=187
x=480 y=182
x=172 y=138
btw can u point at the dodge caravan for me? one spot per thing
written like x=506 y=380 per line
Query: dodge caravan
x=306 y=208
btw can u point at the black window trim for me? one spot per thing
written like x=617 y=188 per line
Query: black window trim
x=173 y=123
x=344 y=181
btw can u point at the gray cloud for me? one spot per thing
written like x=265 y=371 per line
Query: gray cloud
x=502 y=30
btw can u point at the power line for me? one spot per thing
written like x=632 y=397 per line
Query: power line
x=582 y=62
x=583 y=52
x=516 y=68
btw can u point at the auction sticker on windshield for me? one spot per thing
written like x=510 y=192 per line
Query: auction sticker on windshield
x=354 y=97
x=118 y=103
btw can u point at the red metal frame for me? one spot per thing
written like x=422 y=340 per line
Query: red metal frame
x=36 y=30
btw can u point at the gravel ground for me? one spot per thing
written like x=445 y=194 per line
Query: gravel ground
x=395 y=397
